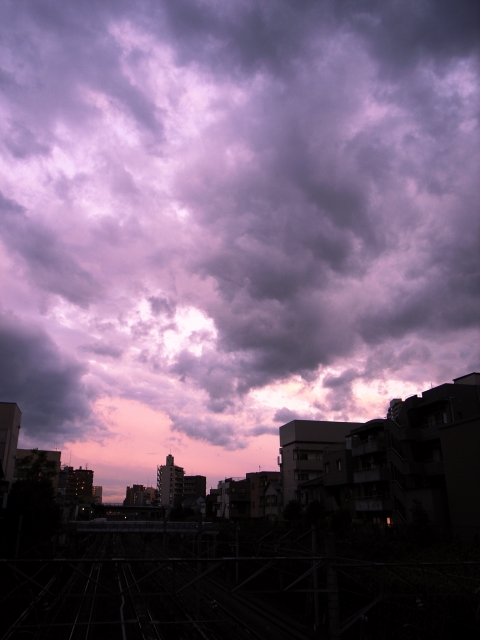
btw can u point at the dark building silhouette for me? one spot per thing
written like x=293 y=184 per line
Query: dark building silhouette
x=195 y=486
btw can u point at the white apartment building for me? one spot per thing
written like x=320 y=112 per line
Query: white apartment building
x=170 y=483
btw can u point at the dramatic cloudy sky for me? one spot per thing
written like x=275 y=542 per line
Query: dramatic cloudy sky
x=216 y=216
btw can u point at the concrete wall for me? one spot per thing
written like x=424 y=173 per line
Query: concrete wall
x=461 y=459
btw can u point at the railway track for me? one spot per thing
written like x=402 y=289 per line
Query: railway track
x=215 y=613
x=110 y=592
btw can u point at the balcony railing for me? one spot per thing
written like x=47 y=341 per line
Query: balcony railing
x=373 y=503
x=362 y=447
x=371 y=475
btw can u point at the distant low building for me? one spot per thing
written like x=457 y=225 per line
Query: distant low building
x=233 y=499
x=140 y=496
x=196 y=503
x=97 y=494
x=258 y=482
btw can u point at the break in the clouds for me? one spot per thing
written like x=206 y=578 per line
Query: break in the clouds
x=236 y=213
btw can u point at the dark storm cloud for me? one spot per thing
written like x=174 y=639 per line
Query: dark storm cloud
x=243 y=38
x=286 y=231
x=49 y=83
x=221 y=434
x=285 y=415
x=50 y=265
x=332 y=203
x=402 y=33
x=47 y=386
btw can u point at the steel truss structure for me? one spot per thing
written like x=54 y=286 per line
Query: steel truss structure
x=318 y=576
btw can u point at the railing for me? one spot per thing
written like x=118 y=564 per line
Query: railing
x=373 y=503
x=371 y=475
x=367 y=446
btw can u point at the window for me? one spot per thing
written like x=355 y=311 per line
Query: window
x=327 y=467
x=339 y=465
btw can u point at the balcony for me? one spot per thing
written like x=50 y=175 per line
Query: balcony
x=368 y=446
x=308 y=465
x=373 y=504
x=371 y=475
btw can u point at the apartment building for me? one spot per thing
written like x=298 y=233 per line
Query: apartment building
x=372 y=477
x=302 y=444
x=258 y=482
x=233 y=499
x=75 y=485
x=273 y=501
x=97 y=494
x=425 y=451
x=195 y=486
x=170 y=479
x=139 y=496
x=24 y=458
x=10 y=418
x=433 y=443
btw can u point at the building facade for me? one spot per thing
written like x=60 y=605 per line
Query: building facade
x=170 y=478
x=195 y=486
x=10 y=418
x=53 y=458
x=258 y=483
x=233 y=499
x=425 y=452
x=302 y=443
x=75 y=485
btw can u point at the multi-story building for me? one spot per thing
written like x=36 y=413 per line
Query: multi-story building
x=24 y=458
x=213 y=505
x=258 y=482
x=10 y=417
x=433 y=442
x=139 y=496
x=424 y=453
x=75 y=485
x=273 y=501
x=233 y=499
x=338 y=484
x=302 y=445
x=371 y=472
x=170 y=483
x=195 y=486
x=97 y=494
